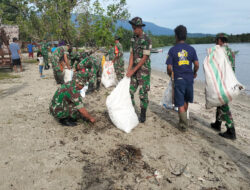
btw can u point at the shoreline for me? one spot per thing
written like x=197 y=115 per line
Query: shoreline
x=36 y=152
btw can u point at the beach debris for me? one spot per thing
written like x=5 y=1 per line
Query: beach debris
x=201 y=179
x=127 y=154
x=180 y=171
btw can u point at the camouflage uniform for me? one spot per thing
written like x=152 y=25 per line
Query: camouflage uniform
x=45 y=54
x=91 y=69
x=74 y=57
x=66 y=102
x=56 y=58
x=141 y=46
x=223 y=112
x=111 y=54
x=119 y=63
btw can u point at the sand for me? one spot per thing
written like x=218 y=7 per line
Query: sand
x=38 y=153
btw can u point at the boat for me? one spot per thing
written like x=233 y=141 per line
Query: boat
x=156 y=50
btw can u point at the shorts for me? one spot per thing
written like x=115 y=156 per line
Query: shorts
x=40 y=68
x=183 y=92
x=16 y=61
x=31 y=54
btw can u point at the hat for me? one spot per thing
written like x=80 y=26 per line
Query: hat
x=137 y=21
x=117 y=37
x=222 y=35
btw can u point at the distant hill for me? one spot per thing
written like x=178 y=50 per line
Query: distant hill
x=155 y=29
x=158 y=30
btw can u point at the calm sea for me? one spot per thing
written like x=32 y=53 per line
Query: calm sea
x=242 y=61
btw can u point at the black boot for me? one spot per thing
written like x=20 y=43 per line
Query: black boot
x=90 y=88
x=216 y=125
x=98 y=85
x=143 y=115
x=67 y=122
x=229 y=134
x=46 y=67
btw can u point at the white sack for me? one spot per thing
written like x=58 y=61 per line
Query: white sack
x=84 y=90
x=120 y=108
x=68 y=75
x=108 y=74
x=221 y=83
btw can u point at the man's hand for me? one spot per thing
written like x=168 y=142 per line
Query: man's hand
x=92 y=120
x=130 y=73
x=195 y=75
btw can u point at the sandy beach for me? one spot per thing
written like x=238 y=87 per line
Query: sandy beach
x=36 y=153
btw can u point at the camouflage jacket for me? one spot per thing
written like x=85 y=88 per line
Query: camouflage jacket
x=231 y=56
x=141 y=46
x=66 y=95
x=119 y=52
x=58 y=54
x=45 y=48
x=111 y=53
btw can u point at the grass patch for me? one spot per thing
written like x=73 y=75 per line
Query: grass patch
x=4 y=75
x=29 y=61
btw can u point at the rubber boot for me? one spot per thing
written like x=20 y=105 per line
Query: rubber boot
x=143 y=115
x=216 y=125
x=90 y=88
x=183 y=123
x=98 y=85
x=229 y=134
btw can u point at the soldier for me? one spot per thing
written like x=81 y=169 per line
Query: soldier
x=92 y=72
x=45 y=54
x=67 y=105
x=223 y=112
x=118 y=59
x=58 y=59
x=139 y=68
x=73 y=56
x=111 y=53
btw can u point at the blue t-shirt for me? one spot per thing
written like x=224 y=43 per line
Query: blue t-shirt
x=181 y=57
x=30 y=46
x=14 y=47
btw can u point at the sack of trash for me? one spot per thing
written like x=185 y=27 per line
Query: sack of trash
x=167 y=101
x=84 y=90
x=221 y=82
x=108 y=74
x=68 y=75
x=120 y=108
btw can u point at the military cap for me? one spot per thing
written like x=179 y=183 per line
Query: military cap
x=222 y=35
x=117 y=37
x=137 y=21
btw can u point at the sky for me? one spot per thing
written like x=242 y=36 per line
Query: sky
x=199 y=16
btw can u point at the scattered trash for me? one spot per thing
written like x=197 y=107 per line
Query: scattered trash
x=180 y=172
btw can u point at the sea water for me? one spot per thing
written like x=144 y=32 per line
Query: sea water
x=242 y=63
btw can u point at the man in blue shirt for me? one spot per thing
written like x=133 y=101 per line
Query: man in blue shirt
x=30 y=50
x=179 y=61
x=15 y=55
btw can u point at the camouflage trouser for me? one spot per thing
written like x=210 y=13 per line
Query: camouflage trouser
x=143 y=82
x=46 y=60
x=65 y=110
x=119 y=69
x=59 y=76
x=95 y=76
x=223 y=113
